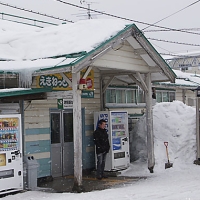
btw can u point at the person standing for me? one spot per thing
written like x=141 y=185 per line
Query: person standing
x=102 y=144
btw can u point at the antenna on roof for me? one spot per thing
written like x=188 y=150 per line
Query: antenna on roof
x=89 y=13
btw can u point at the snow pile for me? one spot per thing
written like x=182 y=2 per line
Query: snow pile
x=174 y=123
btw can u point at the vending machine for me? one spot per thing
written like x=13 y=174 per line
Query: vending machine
x=11 y=167
x=117 y=127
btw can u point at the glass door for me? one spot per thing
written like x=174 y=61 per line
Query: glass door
x=62 y=152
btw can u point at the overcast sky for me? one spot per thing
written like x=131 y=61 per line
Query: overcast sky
x=144 y=11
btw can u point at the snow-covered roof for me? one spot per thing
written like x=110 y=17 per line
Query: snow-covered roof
x=72 y=44
x=183 y=79
x=27 y=49
x=59 y=40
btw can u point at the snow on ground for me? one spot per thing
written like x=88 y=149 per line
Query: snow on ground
x=174 y=123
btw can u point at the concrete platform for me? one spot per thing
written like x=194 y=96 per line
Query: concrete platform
x=90 y=183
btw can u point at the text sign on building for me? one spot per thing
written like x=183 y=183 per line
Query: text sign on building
x=57 y=82
x=64 y=103
x=87 y=94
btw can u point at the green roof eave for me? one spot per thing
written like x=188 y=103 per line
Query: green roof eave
x=61 y=65
x=8 y=72
x=71 y=55
x=23 y=92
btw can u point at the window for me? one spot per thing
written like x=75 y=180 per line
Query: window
x=110 y=96
x=171 y=96
x=124 y=96
x=120 y=96
x=130 y=96
x=140 y=96
x=165 y=96
x=159 y=97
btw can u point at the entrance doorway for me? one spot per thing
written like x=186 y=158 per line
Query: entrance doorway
x=62 y=147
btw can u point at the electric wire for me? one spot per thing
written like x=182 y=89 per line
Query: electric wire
x=25 y=18
x=124 y=18
x=185 y=29
x=182 y=43
x=162 y=48
x=172 y=14
x=104 y=13
x=35 y=12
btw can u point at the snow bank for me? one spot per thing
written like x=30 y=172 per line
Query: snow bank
x=174 y=123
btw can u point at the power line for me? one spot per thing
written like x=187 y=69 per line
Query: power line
x=25 y=18
x=162 y=48
x=182 y=43
x=166 y=28
x=115 y=16
x=173 y=14
x=35 y=12
x=185 y=29
x=169 y=52
x=111 y=15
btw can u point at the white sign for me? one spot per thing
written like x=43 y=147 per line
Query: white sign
x=67 y=103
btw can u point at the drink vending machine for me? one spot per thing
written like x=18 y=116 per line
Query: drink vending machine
x=117 y=127
x=11 y=167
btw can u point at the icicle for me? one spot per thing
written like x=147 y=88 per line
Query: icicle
x=25 y=78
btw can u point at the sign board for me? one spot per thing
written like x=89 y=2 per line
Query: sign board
x=68 y=102
x=64 y=103
x=87 y=94
x=60 y=103
x=57 y=82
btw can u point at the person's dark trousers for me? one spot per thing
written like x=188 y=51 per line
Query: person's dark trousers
x=101 y=160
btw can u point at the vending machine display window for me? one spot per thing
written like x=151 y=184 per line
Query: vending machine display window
x=9 y=131
x=11 y=165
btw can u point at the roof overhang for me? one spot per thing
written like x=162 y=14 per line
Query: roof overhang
x=22 y=91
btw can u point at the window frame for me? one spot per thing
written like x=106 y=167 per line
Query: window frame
x=136 y=95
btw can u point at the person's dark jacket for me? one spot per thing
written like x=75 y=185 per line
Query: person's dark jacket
x=101 y=141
